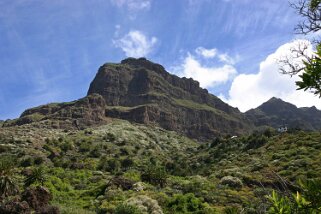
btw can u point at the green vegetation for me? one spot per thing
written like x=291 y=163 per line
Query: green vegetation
x=310 y=73
x=311 y=77
x=194 y=105
x=37 y=176
x=126 y=209
x=8 y=184
x=309 y=201
x=130 y=168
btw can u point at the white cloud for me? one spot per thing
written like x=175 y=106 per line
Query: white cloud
x=206 y=76
x=133 y=5
x=207 y=53
x=251 y=90
x=225 y=58
x=136 y=44
x=213 y=53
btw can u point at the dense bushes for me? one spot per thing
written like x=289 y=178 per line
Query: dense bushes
x=231 y=182
x=186 y=204
x=255 y=141
x=155 y=175
x=145 y=204
x=166 y=169
x=127 y=209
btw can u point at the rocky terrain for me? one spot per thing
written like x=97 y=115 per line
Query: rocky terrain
x=277 y=113
x=78 y=114
x=141 y=91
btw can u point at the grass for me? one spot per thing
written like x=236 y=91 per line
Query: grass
x=193 y=105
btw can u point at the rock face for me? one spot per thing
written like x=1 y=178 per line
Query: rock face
x=275 y=112
x=142 y=91
x=81 y=113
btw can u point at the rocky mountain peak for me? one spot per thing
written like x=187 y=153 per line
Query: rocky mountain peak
x=274 y=105
x=276 y=112
x=143 y=91
x=142 y=62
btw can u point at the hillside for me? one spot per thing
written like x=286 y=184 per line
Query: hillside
x=276 y=113
x=145 y=141
x=82 y=166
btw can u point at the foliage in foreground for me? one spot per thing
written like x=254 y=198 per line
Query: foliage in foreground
x=308 y=200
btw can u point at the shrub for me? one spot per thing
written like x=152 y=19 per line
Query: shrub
x=127 y=209
x=232 y=210
x=38 y=175
x=186 y=204
x=256 y=141
x=110 y=137
x=110 y=165
x=8 y=184
x=231 y=182
x=95 y=152
x=155 y=175
x=127 y=163
x=27 y=161
x=308 y=200
x=145 y=204
x=85 y=146
x=38 y=160
x=66 y=146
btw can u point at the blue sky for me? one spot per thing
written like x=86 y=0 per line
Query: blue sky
x=51 y=50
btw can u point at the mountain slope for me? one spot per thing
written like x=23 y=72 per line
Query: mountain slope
x=78 y=114
x=275 y=112
x=142 y=91
x=81 y=164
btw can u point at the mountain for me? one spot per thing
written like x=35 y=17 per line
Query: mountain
x=114 y=150
x=141 y=91
x=276 y=112
x=144 y=92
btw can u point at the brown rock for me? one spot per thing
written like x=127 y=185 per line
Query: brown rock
x=78 y=114
x=142 y=91
x=15 y=206
x=37 y=197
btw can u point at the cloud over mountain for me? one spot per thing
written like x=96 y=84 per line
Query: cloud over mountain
x=208 y=66
x=136 y=44
x=250 y=90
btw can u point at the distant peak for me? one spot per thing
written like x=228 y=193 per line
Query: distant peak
x=274 y=99
x=277 y=101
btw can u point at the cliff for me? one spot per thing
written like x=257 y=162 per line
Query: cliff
x=142 y=91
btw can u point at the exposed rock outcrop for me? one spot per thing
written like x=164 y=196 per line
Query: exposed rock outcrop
x=81 y=113
x=142 y=91
x=275 y=112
